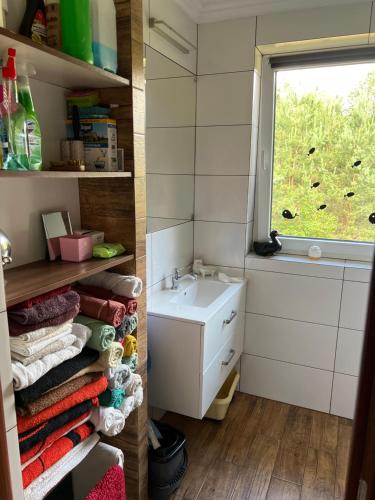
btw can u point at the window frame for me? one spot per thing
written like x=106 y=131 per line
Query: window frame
x=339 y=249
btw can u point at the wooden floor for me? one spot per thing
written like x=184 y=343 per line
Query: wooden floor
x=265 y=450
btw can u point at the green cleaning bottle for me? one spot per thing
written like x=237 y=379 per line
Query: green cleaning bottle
x=33 y=132
x=76 y=29
x=14 y=118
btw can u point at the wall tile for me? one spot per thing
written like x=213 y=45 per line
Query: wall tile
x=221 y=198
x=254 y=149
x=354 y=305
x=170 y=150
x=249 y=237
x=221 y=244
x=146 y=18
x=293 y=384
x=315 y=300
x=344 y=395
x=223 y=150
x=171 y=102
x=159 y=66
x=158 y=224
x=226 y=46
x=148 y=259
x=349 y=352
x=171 y=248
x=314 y=23
x=291 y=341
x=357 y=271
x=170 y=196
x=225 y=99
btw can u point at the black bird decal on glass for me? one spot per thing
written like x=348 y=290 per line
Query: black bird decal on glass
x=322 y=207
x=372 y=218
x=315 y=185
x=311 y=151
x=357 y=163
x=349 y=195
x=287 y=214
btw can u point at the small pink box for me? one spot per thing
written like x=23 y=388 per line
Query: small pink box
x=76 y=248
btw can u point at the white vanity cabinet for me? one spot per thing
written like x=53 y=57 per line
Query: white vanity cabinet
x=191 y=359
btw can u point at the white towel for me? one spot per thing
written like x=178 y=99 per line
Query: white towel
x=138 y=397
x=132 y=383
x=127 y=286
x=24 y=376
x=38 y=334
x=43 y=484
x=100 y=460
x=127 y=406
x=117 y=376
x=35 y=346
x=108 y=420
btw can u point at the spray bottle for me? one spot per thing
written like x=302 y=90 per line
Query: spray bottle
x=33 y=132
x=14 y=118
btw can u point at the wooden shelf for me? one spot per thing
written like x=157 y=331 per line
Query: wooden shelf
x=46 y=174
x=57 y=68
x=33 y=279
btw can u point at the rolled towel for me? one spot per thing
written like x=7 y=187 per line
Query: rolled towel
x=130 y=345
x=128 y=286
x=41 y=333
x=53 y=346
x=25 y=376
x=108 y=311
x=35 y=346
x=101 y=293
x=108 y=420
x=112 y=397
x=56 y=377
x=102 y=335
x=39 y=299
x=131 y=361
x=138 y=397
x=128 y=326
x=36 y=437
x=55 y=452
x=117 y=376
x=112 y=357
x=44 y=484
x=55 y=395
x=44 y=311
x=127 y=406
x=15 y=329
x=87 y=392
x=132 y=383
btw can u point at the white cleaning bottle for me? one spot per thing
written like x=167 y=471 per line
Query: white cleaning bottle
x=104 y=34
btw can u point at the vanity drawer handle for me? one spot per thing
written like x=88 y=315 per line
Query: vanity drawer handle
x=233 y=314
x=232 y=352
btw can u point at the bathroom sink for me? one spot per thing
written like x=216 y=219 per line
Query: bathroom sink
x=200 y=294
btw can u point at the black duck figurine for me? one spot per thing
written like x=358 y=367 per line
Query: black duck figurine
x=268 y=248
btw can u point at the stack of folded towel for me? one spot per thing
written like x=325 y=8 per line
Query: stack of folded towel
x=74 y=354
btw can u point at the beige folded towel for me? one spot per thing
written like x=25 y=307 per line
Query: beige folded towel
x=53 y=346
x=35 y=346
x=41 y=333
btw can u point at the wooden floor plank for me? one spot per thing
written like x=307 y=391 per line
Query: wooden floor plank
x=193 y=481
x=319 y=478
x=274 y=419
x=324 y=432
x=343 y=449
x=282 y=490
x=220 y=481
x=291 y=459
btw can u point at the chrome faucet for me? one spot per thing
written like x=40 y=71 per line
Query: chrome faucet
x=177 y=278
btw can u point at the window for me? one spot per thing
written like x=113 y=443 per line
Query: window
x=317 y=152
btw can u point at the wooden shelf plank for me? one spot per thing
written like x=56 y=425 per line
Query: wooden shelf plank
x=57 y=68
x=30 y=280
x=46 y=174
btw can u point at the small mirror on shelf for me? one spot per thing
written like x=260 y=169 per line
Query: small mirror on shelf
x=56 y=224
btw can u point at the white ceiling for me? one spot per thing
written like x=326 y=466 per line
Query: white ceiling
x=203 y=11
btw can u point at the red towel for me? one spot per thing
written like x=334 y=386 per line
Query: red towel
x=43 y=445
x=95 y=291
x=55 y=452
x=41 y=298
x=111 y=487
x=108 y=311
x=86 y=392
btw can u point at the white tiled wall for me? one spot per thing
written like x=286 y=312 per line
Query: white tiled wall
x=307 y=315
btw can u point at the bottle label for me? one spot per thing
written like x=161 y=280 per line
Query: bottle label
x=39 y=27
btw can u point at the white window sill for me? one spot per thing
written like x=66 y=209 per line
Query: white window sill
x=322 y=268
